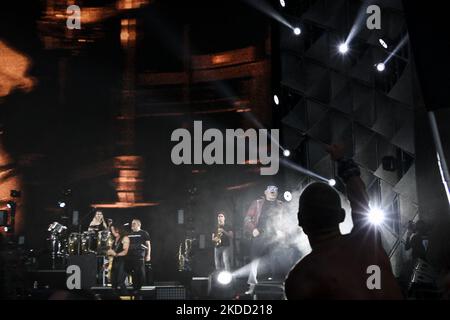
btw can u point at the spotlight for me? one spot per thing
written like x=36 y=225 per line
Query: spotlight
x=332 y=182
x=224 y=278
x=297 y=31
x=283 y=3
x=376 y=216
x=383 y=43
x=11 y=204
x=276 y=99
x=381 y=67
x=5 y=229
x=287 y=196
x=343 y=48
x=286 y=153
x=221 y=285
x=61 y=204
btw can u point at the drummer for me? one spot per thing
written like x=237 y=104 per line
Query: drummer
x=98 y=223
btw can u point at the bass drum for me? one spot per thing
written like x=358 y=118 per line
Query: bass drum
x=104 y=242
x=88 y=242
x=74 y=243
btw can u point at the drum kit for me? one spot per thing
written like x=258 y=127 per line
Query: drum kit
x=64 y=244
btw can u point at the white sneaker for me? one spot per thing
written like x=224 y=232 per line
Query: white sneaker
x=250 y=289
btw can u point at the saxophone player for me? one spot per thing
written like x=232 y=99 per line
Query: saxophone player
x=222 y=238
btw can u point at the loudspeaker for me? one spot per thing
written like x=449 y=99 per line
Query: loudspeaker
x=88 y=266
x=269 y=291
x=180 y=216
x=170 y=293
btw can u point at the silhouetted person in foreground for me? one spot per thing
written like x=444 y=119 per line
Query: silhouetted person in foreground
x=337 y=267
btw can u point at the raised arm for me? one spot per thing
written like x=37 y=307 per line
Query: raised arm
x=349 y=172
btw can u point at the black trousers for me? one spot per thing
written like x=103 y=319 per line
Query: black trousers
x=135 y=266
x=118 y=274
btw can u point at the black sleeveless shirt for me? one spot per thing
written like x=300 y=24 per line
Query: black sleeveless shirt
x=118 y=247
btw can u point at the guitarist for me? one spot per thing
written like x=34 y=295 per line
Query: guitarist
x=118 y=253
x=222 y=243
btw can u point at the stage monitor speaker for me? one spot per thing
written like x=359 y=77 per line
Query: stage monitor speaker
x=269 y=291
x=88 y=267
x=170 y=293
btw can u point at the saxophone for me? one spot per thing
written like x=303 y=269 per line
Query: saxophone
x=181 y=259
x=184 y=255
x=218 y=237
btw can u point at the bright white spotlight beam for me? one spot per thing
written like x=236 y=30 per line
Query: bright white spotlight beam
x=289 y=164
x=396 y=49
x=297 y=31
x=381 y=67
x=383 y=43
x=276 y=99
x=286 y=153
x=332 y=182
x=287 y=196
x=376 y=216
x=359 y=22
x=343 y=48
x=224 y=278
x=268 y=10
